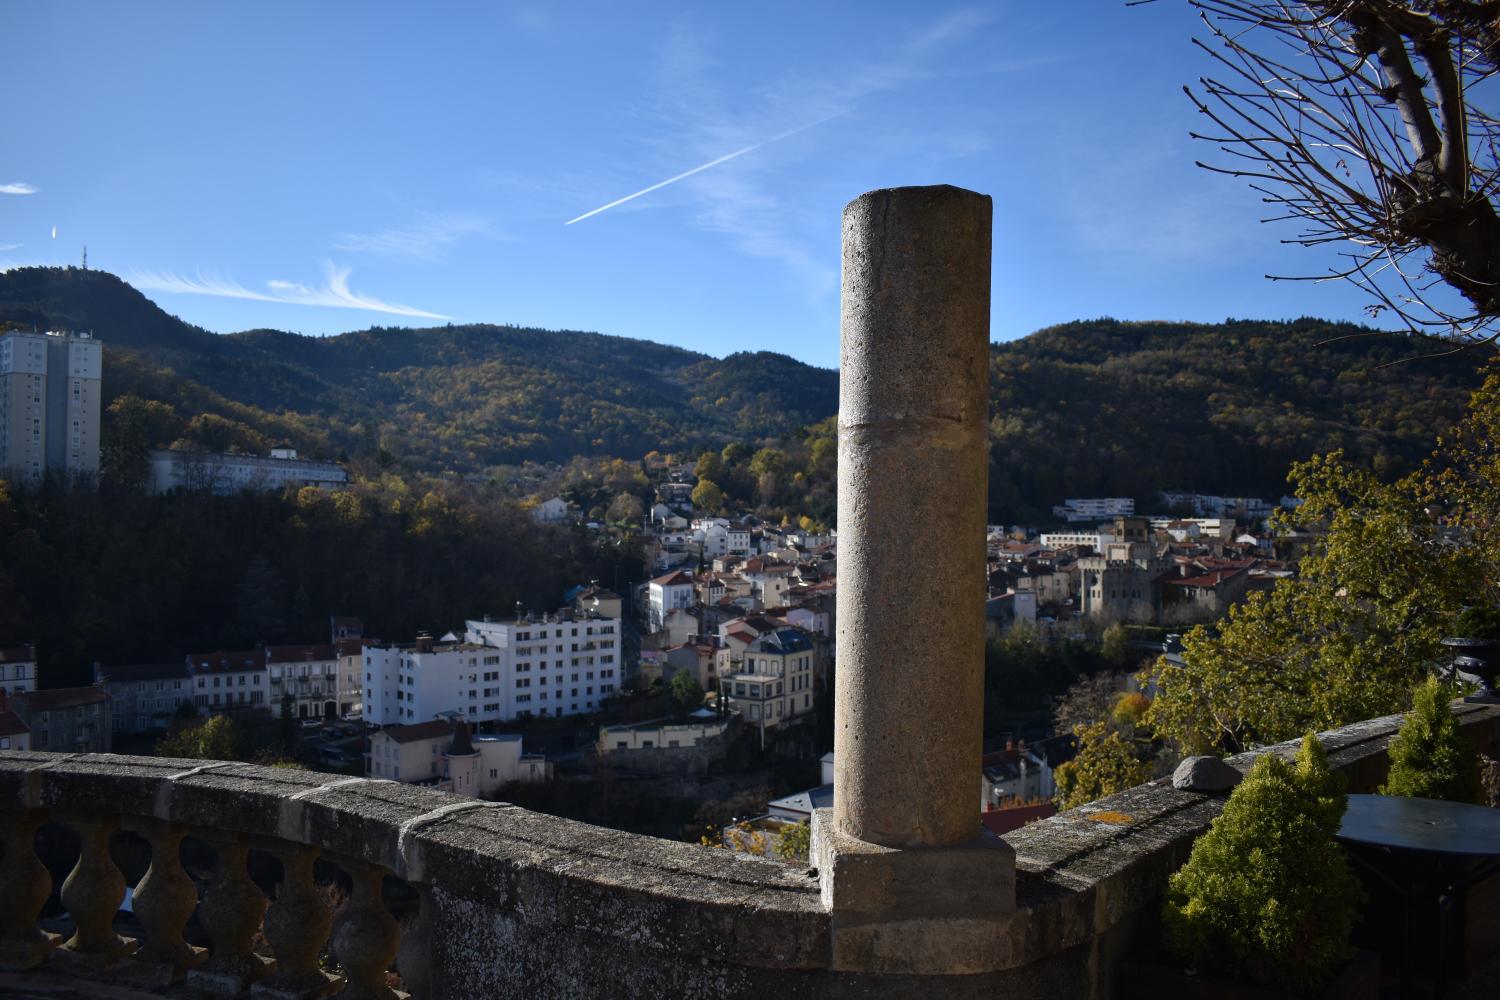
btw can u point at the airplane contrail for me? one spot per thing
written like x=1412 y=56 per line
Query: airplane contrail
x=699 y=169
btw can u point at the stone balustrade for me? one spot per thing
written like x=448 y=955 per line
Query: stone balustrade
x=505 y=902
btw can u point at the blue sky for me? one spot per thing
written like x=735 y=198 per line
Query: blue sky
x=325 y=167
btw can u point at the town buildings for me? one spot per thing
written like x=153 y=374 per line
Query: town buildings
x=145 y=697
x=1095 y=509
x=225 y=474
x=563 y=663
x=15 y=734
x=304 y=681
x=65 y=720
x=18 y=668
x=49 y=405
x=667 y=592
x=232 y=681
x=1117 y=583
x=776 y=680
x=442 y=754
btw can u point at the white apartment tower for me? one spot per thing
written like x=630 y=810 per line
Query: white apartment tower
x=563 y=663
x=49 y=404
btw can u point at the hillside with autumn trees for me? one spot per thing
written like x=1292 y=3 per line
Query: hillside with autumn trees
x=1090 y=408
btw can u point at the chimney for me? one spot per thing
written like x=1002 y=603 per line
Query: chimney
x=424 y=642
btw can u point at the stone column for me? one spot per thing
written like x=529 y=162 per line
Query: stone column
x=914 y=884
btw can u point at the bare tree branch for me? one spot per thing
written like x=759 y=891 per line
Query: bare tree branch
x=1356 y=119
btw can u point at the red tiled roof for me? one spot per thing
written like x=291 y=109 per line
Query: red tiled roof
x=353 y=647
x=11 y=724
x=1213 y=579
x=58 y=698
x=673 y=579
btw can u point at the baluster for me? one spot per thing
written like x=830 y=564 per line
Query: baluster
x=92 y=893
x=164 y=902
x=367 y=937
x=297 y=924
x=414 y=959
x=231 y=912
x=25 y=885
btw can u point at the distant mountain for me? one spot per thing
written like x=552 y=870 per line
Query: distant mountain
x=1097 y=407
x=460 y=398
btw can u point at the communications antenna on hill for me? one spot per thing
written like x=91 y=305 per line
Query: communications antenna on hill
x=85 y=258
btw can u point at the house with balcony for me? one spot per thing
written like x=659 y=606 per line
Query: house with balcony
x=776 y=680
x=303 y=681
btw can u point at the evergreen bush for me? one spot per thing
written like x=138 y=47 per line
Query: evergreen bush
x=1431 y=758
x=1477 y=623
x=1266 y=895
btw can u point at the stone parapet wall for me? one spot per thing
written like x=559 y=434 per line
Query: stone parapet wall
x=516 y=903
x=1089 y=881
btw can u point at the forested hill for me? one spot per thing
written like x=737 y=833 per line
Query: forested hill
x=1107 y=408
x=1096 y=407
x=453 y=398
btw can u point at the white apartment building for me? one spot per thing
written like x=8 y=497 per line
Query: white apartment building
x=564 y=663
x=228 y=681
x=719 y=536
x=49 y=404
x=1095 y=508
x=663 y=594
x=1205 y=505
x=1095 y=540
x=18 y=668
x=226 y=474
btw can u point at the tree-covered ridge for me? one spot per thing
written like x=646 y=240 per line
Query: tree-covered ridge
x=454 y=398
x=1103 y=407
x=1090 y=408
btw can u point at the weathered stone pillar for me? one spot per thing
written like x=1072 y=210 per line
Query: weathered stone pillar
x=914 y=884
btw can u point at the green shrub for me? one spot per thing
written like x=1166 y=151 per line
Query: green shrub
x=1266 y=896
x=1477 y=623
x=1431 y=758
x=1105 y=764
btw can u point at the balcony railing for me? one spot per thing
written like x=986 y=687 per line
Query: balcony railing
x=515 y=903
x=507 y=899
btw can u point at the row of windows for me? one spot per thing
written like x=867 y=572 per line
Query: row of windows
x=254 y=698
x=229 y=681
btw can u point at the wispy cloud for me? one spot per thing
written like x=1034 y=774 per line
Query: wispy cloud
x=428 y=238
x=9 y=246
x=333 y=293
x=17 y=187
